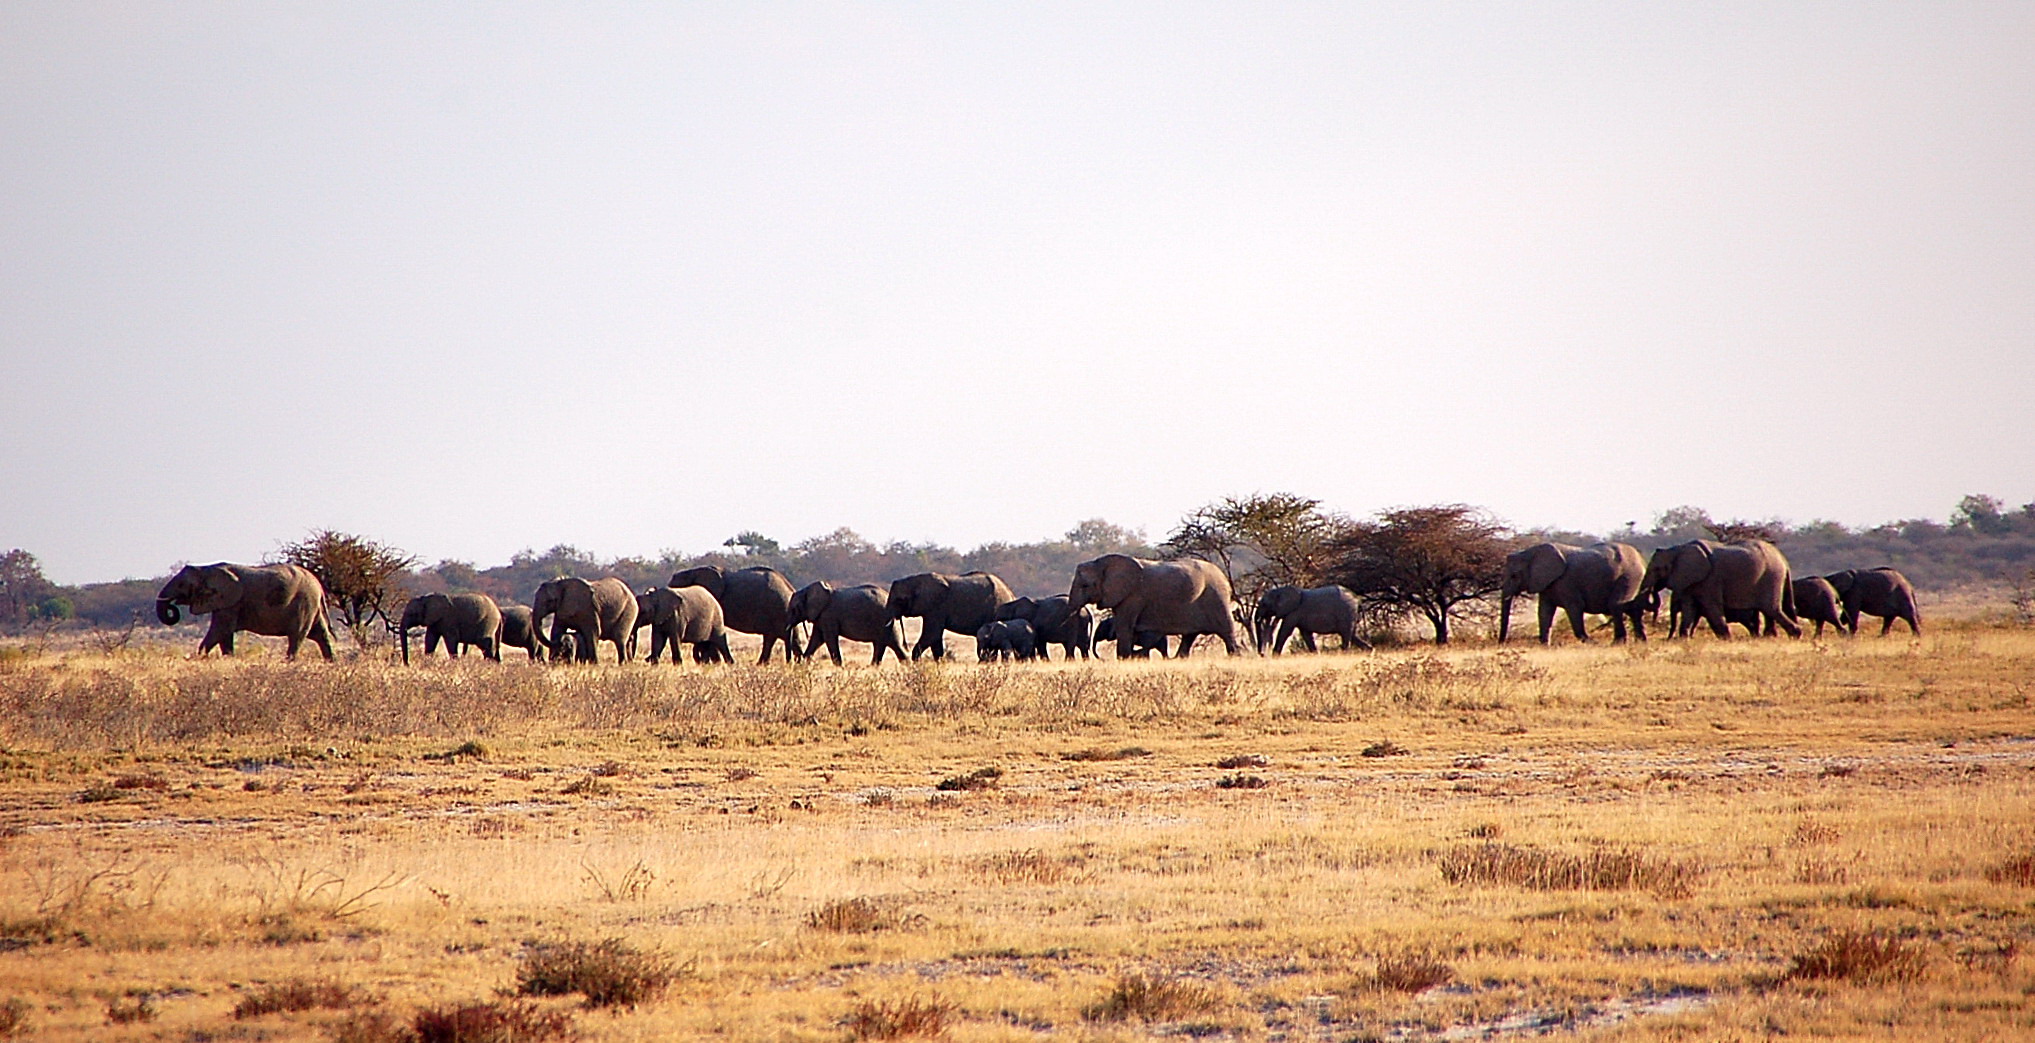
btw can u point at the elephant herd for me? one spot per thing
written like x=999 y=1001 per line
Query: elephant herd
x=1747 y=582
x=1145 y=601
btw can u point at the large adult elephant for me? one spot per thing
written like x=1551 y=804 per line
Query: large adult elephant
x=858 y=613
x=947 y=602
x=1727 y=577
x=283 y=601
x=1055 y=621
x=603 y=610
x=519 y=630
x=457 y=620
x=1816 y=601
x=1188 y=597
x=683 y=616
x=1603 y=578
x=1286 y=610
x=1881 y=592
x=755 y=600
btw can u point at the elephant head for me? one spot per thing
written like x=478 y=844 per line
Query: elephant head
x=708 y=576
x=1678 y=567
x=425 y=610
x=1274 y=605
x=1843 y=581
x=810 y=602
x=202 y=588
x=914 y=595
x=1528 y=571
x=1105 y=582
x=1022 y=608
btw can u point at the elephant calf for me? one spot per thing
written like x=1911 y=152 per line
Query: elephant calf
x=1005 y=639
x=1143 y=643
x=1317 y=610
x=520 y=631
x=683 y=615
x=1055 y=622
x=1816 y=601
x=858 y=613
x=456 y=620
x=1881 y=592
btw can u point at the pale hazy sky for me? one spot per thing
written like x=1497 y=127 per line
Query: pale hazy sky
x=474 y=278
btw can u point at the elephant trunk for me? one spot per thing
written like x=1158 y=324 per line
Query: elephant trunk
x=406 y=646
x=1504 y=617
x=167 y=611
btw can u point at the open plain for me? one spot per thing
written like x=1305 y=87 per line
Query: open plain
x=1675 y=840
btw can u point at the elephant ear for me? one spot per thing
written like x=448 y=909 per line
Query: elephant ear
x=1841 y=581
x=818 y=597
x=1547 y=565
x=218 y=587
x=1692 y=565
x=1121 y=575
x=1020 y=609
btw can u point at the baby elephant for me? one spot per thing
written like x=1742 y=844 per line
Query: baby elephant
x=457 y=621
x=1005 y=639
x=683 y=614
x=1147 y=641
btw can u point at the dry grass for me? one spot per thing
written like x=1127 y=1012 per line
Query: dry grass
x=490 y=1023
x=409 y=837
x=608 y=973
x=294 y=995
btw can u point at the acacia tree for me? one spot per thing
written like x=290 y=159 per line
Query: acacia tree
x=1428 y=560
x=1261 y=541
x=361 y=576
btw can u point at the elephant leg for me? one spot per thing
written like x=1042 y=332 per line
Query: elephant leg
x=1779 y=617
x=1186 y=644
x=1281 y=636
x=834 y=647
x=1307 y=641
x=1575 y=614
x=491 y=649
x=1886 y=625
x=1914 y=628
x=1718 y=625
x=1545 y=609
x=291 y=641
x=321 y=635
x=1617 y=626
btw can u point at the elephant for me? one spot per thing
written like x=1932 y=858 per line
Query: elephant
x=1055 y=622
x=1881 y=592
x=687 y=615
x=1817 y=601
x=1142 y=646
x=457 y=620
x=284 y=601
x=1603 y=578
x=603 y=610
x=947 y=602
x=1725 y=578
x=1188 y=597
x=858 y=613
x=755 y=600
x=520 y=631
x=1314 y=610
x=1005 y=639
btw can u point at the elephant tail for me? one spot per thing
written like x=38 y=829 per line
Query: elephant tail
x=1788 y=595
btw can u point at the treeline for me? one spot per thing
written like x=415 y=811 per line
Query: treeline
x=1260 y=540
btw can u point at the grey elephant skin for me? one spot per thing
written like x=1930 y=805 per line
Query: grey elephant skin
x=283 y=601
x=679 y=616
x=1602 y=578
x=1055 y=621
x=1286 y=610
x=858 y=613
x=1005 y=639
x=945 y=602
x=1143 y=644
x=519 y=630
x=755 y=600
x=455 y=620
x=1187 y=597
x=1723 y=578
x=1881 y=592
x=1816 y=601
x=601 y=610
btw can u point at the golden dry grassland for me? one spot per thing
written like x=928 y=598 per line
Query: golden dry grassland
x=1686 y=840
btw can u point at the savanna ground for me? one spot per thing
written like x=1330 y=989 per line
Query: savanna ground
x=1690 y=840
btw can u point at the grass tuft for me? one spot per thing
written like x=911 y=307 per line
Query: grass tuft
x=1537 y=870
x=855 y=916
x=907 y=1018
x=296 y=994
x=13 y=1018
x=2018 y=870
x=1413 y=972
x=608 y=973
x=1384 y=748
x=1098 y=753
x=980 y=778
x=1241 y=782
x=1244 y=760
x=1148 y=998
x=490 y=1023
x=1859 y=957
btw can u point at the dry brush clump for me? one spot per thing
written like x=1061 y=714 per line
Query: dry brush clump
x=2017 y=870
x=295 y=995
x=1412 y=972
x=1152 y=998
x=1539 y=870
x=607 y=973
x=909 y=1018
x=495 y=1022
x=1859 y=957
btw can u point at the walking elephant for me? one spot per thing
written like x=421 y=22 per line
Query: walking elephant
x=603 y=610
x=947 y=602
x=755 y=600
x=858 y=613
x=1188 y=597
x=683 y=615
x=1603 y=578
x=1817 y=601
x=1005 y=639
x=283 y=601
x=1881 y=592
x=1055 y=621
x=1143 y=644
x=457 y=620
x=520 y=631
x=1725 y=578
x=1286 y=610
